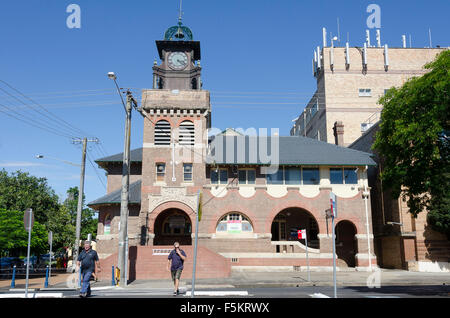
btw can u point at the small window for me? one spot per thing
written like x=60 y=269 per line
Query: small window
x=160 y=171
x=365 y=92
x=343 y=175
x=276 y=178
x=187 y=172
x=351 y=175
x=107 y=228
x=293 y=175
x=336 y=176
x=219 y=176
x=247 y=176
x=310 y=176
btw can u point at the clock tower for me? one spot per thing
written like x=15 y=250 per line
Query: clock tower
x=177 y=119
x=180 y=56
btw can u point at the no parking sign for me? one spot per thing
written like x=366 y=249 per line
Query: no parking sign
x=301 y=234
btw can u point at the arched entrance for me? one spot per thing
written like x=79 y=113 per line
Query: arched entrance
x=286 y=224
x=172 y=225
x=346 y=247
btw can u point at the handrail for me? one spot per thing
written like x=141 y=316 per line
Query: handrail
x=302 y=246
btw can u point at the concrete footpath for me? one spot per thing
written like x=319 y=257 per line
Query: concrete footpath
x=378 y=278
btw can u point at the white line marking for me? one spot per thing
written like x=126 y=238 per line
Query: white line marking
x=319 y=295
x=218 y=293
x=33 y=295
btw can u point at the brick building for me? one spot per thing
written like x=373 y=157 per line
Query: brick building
x=344 y=110
x=256 y=191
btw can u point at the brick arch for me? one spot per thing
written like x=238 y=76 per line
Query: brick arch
x=293 y=204
x=170 y=205
x=178 y=122
x=233 y=208
x=163 y=118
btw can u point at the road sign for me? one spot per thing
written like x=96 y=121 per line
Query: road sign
x=301 y=234
x=333 y=204
x=50 y=238
x=26 y=219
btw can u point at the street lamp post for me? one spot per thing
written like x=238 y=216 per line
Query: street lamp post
x=122 y=259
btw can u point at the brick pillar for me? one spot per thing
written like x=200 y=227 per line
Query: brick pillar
x=338 y=131
x=362 y=257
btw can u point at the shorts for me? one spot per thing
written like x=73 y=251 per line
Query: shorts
x=176 y=274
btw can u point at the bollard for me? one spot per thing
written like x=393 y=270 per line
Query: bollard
x=13 y=281
x=46 y=278
x=113 y=281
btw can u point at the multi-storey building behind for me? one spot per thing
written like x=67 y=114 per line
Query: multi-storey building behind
x=350 y=81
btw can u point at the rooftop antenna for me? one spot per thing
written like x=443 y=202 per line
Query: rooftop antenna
x=339 y=32
x=429 y=34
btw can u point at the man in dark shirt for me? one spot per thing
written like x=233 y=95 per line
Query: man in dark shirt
x=88 y=264
x=175 y=262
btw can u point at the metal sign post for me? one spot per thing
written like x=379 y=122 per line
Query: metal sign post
x=28 y=221
x=50 y=241
x=333 y=237
x=302 y=235
x=195 y=246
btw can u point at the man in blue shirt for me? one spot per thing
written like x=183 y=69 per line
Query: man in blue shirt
x=88 y=263
x=175 y=262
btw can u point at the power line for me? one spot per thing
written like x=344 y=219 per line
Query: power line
x=33 y=124
x=96 y=172
x=59 y=120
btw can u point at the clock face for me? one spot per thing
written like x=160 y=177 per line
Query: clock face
x=178 y=60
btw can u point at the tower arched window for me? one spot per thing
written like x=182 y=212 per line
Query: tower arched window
x=162 y=133
x=186 y=133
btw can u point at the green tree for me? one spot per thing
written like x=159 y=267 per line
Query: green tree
x=20 y=191
x=88 y=220
x=14 y=237
x=413 y=144
x=63 y=230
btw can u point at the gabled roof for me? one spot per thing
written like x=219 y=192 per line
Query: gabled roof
x=114 y=197
x=135 y=156
x=291 y=150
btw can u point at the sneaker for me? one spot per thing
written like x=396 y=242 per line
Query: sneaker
x=175 y=293
x=178 y=292
x=83 y=295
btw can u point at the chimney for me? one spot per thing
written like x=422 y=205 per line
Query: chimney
x=338 y=130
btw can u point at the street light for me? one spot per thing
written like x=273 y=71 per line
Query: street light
x=122 y=258
x=65 y=161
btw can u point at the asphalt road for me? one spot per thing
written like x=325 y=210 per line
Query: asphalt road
x=442 y=292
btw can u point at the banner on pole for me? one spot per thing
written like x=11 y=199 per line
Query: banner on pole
x=199 y=208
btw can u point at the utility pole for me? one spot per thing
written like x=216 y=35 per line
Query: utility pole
x=122 y=260
x=84 y=142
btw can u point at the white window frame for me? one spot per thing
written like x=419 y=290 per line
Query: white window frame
x=159 y=174
x=192 y=172
x=246 y=176
x=365 y=92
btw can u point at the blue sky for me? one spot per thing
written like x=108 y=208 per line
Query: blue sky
x=256 y=59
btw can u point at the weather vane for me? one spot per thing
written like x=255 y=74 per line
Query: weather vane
x=180 y=17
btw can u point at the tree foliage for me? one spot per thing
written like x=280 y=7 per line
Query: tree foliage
x=413 y=143
x=14 y=237
x=88 y=220
x=19 y=191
